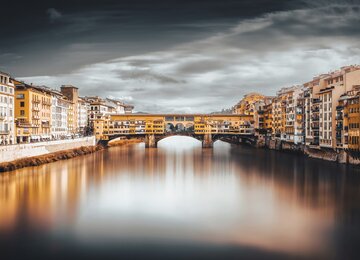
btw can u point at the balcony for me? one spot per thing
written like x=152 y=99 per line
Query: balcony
x=315 y=118
x=339 y=108
x=23 y=124
x=316 y=109
x=36 y=109
x=4 y=132
x=36 y=101
x=339 y=127
x=339 y=117
x=2 y=117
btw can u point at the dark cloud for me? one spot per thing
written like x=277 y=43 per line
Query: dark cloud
x=89 y=31
x=183 y=59
x=53 y=14
x=147 y=76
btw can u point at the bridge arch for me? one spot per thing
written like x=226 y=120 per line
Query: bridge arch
x=193 y=136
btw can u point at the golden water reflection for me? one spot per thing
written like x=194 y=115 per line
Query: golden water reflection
x=180 y=192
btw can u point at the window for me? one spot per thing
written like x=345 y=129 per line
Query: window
x=20 y=96
x=22 y=104
x=22 y=112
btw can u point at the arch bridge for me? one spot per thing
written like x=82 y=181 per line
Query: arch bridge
x=153 y=127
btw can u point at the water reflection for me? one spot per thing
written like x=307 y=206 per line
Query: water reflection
x=181 y=195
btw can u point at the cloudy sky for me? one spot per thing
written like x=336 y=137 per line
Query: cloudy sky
x=177 y=55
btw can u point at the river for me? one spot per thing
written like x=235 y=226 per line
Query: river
x=182 y=201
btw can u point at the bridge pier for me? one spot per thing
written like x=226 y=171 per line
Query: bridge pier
x=207 y=141
x=150 y=141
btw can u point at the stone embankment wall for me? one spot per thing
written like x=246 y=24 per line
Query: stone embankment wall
x=20 y=151
x=328 y=155
x=340 y=156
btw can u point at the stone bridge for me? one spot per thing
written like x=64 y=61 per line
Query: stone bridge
x=153 y=127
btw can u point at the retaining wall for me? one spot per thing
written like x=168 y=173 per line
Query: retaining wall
x=19 y=151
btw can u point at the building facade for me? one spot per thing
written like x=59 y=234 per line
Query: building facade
x=7 y=127
x=32 y=113
x=83 y=122
x=59 y=115
x=72 y=95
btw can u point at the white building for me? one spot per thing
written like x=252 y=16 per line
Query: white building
x=7 y=123
x=59 y=115
x=99 y=108
x=83 y=109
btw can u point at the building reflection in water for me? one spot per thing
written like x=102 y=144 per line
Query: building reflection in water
x=181 y=193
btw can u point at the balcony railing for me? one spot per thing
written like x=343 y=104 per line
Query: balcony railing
x=316 y=109
x=339 y=117
x=23 y=124
x=315 y=118
x=339 y=126
x=4 y=132
x=339 y=107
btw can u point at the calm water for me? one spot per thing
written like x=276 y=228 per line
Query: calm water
x=180 y=201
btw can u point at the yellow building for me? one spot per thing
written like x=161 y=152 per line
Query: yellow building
x=32 y=113
x=279 y=116
x=246 y=106
x=353 y=114
x=268 y=119
x=72 y=94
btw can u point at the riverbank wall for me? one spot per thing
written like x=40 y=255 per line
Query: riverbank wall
x=328 y=154
x=19 y=156
x=20 y=151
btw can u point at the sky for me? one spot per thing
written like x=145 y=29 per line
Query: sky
x=177 y=55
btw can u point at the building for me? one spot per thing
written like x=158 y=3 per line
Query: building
x=128 y=109
x=32 y=113
x=59 y=115
x=279 y=117
x=7 y=127
x=332 y=86
x=100 y=108
x=291 y=109
x=72 y=95
x=353 y=109
x=348 y=120
x=342 y=124
x=259 y=115
x=83 y=108
x=246 y=106
x=268 y=119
